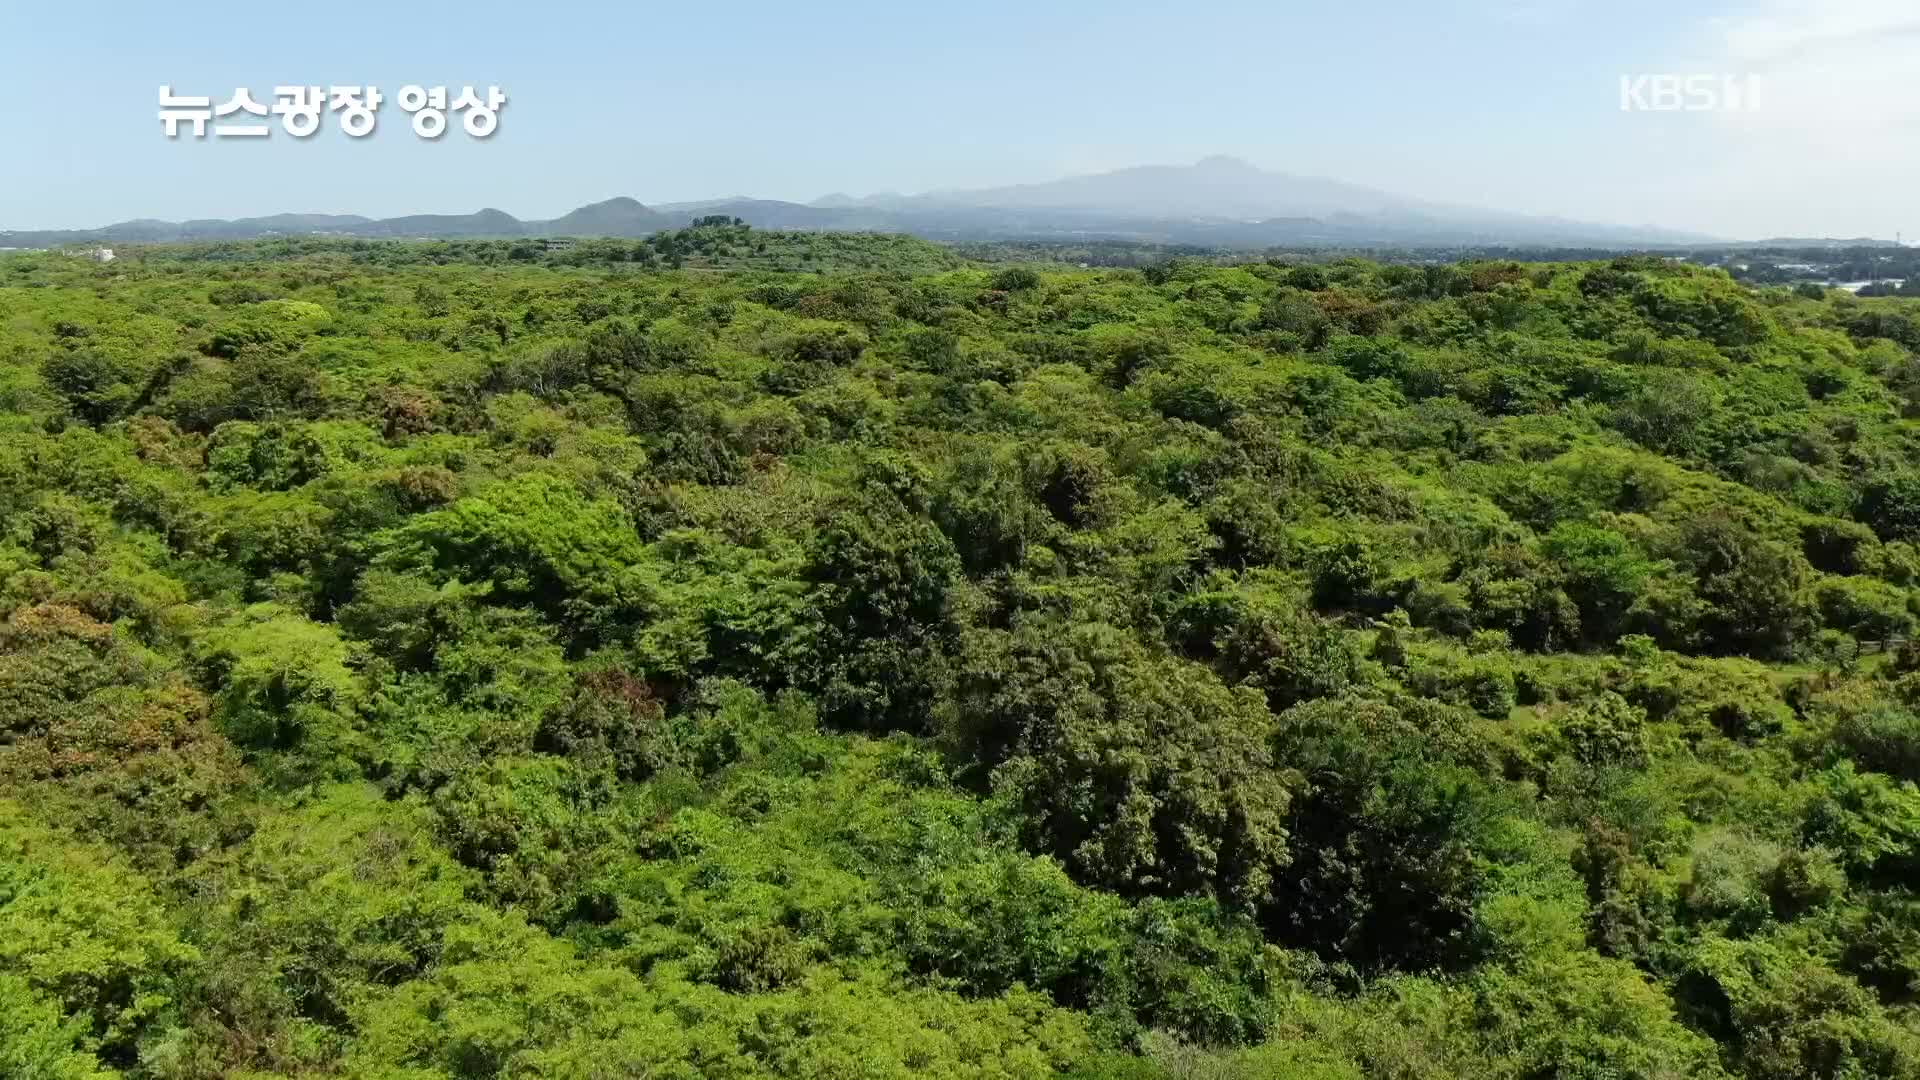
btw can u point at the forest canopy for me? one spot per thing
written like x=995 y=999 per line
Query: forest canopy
x=738 y=654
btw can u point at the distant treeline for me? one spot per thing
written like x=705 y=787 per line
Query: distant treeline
x=710 y=243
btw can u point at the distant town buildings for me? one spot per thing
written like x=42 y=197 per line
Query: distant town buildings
x=1856 y=286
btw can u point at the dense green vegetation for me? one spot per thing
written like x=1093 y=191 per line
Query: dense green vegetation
x=506 y=669
x=714 y=243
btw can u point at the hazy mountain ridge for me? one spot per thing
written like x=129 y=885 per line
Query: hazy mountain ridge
x=1218 y=201
x=1217 y=186
x=620 y=216
x=1802 y=242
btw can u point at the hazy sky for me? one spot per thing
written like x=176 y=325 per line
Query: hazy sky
x=1511 y=104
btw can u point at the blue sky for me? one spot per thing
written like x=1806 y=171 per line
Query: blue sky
x=1502 y=103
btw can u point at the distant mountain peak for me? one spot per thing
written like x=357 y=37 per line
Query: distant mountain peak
x=1225 y=163
x=1218 y=187
x=621 y=215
